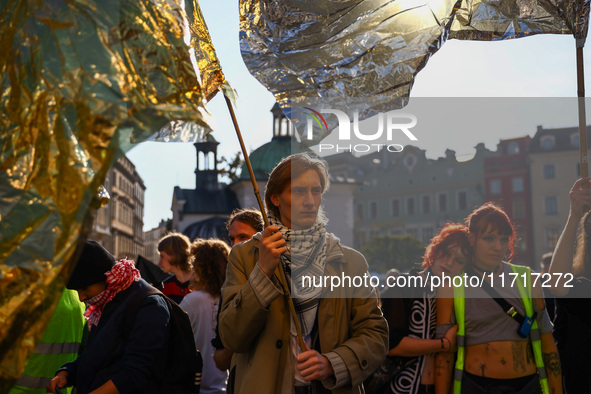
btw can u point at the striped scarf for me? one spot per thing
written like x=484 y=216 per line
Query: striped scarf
x=119 y=278
x=305 y=256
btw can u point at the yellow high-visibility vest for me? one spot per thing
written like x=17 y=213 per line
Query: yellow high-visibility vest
x=534 y=335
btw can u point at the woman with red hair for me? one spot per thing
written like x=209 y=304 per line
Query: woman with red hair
x=411 y=313
x=505 y=341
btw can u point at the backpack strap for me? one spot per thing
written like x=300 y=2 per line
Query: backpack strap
x=133 y=305
x=459 y=293
x=509 y=309
x=525 y=290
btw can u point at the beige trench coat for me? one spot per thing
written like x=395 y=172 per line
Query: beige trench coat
x=351 y=325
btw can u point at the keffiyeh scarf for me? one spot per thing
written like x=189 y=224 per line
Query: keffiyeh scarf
x=305 y=256
x=119 y=278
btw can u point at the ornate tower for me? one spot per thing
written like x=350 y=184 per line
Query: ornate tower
x=206 y=173
x=281 y=125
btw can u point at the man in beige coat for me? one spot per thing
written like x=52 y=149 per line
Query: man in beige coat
x=345 y=333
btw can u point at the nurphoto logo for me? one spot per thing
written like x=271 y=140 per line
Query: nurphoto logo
x=390 y=126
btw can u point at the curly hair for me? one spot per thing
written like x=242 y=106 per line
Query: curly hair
x=491 y=216
x=452 y=234
x=209 y=258
x=177 y=246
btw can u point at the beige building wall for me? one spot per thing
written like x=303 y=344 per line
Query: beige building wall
x=151 y=238
x=550 y=195
x=118 y=226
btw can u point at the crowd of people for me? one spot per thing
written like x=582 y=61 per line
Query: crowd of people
x=257 y=329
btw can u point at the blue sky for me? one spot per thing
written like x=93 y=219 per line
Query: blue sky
x=539 y=66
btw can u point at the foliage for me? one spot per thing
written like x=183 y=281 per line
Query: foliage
x=393 y=251
x=230 y=167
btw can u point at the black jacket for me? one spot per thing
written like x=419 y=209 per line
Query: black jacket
x=134 y=360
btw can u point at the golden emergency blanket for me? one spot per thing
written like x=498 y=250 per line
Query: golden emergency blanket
x=81 y=81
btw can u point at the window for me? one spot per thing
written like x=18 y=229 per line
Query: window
x=552 y=235
x=520 y=245
x=442 y=202
x=284 y=131
x=513 y=148
x=517 y=185
x=518 y=210
x=410 y=206
x=409 y=161
x=462 y=200
x=395 y=208
x=495 y=186
x=551 y=205
x=373 y=210
x=549 y=172
x=574 y=140
x=547 y=142
x=360 y=211
x=426 y=204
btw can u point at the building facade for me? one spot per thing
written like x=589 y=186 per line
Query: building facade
x=507 y=182
x=118 y=226
x=151 y=238
x=407 y=194
x=404 y=193
x=554 y=167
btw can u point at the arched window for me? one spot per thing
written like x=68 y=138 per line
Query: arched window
x=547 y=142
x=284 y=127
x=276 y=125
x=574 y=140
x=201 y=160
x=513 y=148
x=210 y=164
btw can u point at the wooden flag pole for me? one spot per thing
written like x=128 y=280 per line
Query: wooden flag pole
x=582 y=113
x=247 y=161
x=282 y=278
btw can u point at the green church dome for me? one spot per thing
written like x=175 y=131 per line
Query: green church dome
x=266 y=157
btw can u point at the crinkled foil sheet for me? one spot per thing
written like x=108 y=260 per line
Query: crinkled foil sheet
x=80 y=82
x=366 y=52
x=501 y=20
x=204 y=53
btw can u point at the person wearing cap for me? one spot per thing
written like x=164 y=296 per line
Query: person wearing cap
x=115 y=361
